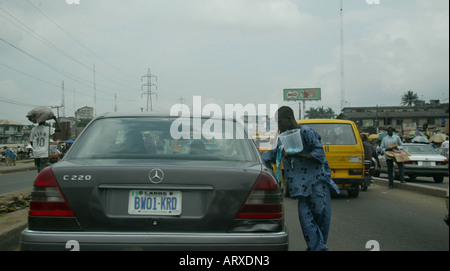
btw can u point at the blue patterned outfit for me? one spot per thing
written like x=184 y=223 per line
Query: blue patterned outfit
x=309 y=181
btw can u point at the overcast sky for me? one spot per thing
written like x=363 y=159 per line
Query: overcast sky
x=226 y=51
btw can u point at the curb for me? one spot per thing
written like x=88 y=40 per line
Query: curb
x=413 y=187
x=25 y=165
x=15 y=223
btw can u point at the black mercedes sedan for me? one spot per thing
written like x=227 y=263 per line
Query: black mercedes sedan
x=158 y=182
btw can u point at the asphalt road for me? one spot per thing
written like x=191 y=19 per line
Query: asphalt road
x=12 y=182
x=396 y=219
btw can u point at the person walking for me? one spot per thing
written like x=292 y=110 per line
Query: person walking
x=369 y=152
x=10 y=156
x=308 y=179
x=39 y=138
x=389 y=143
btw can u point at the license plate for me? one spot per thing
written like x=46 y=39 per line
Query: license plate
x=154 y=202
x=428 y=164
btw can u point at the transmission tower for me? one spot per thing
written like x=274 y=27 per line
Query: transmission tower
x=149 y=86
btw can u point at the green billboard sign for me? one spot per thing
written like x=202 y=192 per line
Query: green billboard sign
x=301 y=94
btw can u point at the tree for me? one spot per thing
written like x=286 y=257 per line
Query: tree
x=409 y=98
x=320 y=113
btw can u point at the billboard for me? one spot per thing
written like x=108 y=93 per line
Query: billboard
x=301 y=94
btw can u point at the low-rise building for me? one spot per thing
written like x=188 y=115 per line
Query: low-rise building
x=11 y=132
x=423 y=116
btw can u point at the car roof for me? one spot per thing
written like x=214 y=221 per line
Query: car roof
x=157 y=114
x=306 y=121
x=417 y=144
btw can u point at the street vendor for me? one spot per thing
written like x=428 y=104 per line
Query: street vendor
x=389 y=143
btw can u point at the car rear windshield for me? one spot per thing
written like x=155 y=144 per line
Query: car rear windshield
x=163 y=138
x=420 y=149
x=334 y=133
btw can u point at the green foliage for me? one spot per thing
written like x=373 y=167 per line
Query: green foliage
x=320 y=113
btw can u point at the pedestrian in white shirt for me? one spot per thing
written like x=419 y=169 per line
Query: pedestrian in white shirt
x=39 y=137
x=386 y=145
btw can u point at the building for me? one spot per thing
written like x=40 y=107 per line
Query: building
x=86 y=112
x=11 y=132
x=424 y=117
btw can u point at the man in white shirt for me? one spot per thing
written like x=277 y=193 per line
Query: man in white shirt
x=386 y=145
x=39 y=137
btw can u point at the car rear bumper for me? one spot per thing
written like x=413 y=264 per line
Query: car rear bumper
x=348 y=181
x=424 y=172
x=103 y=241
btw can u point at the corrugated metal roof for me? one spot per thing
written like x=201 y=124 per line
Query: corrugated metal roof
x=10 y=122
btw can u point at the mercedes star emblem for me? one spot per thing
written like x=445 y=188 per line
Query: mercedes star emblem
x=156 y=175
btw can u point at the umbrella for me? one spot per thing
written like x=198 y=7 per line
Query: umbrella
x=373 y=137
x=383 y=135
x=414 y=134
x=420 y=139
x=69 y=141
x=438 y=138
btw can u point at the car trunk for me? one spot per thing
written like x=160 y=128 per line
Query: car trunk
x=196 y=196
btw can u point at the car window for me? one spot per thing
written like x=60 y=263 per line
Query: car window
x=334 y=133
x=151 y=138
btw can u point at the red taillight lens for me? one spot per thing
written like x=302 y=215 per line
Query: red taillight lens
x=411 y=163
x=443 y=163
x=265 y=200
x=46 y=198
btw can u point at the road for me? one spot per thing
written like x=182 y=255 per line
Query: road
x=398 y=220
x=12 y=182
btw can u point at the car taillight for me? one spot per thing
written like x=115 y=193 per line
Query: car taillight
x=265 y=201
x=443 y=163
x=411 y=162
x=46 y=198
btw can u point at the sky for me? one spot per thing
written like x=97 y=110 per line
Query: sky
x=98 y=52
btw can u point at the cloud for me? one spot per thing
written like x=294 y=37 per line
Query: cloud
x=227 y=51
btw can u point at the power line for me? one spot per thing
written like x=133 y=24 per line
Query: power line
x=50 y=83
x=77 y=41
x=32 y=33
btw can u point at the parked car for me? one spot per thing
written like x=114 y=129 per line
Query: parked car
x=123 y=186
x=425 y=161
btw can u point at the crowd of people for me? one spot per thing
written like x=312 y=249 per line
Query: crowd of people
x=11 y=154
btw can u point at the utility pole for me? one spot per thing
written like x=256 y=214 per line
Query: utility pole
x=95 y=95
x=342 y=57
x=115 y=102
x=181 y=101
x=63 y=103
x=149 y=86
x=57 y=110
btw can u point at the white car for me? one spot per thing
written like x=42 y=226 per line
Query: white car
x=425 y=161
